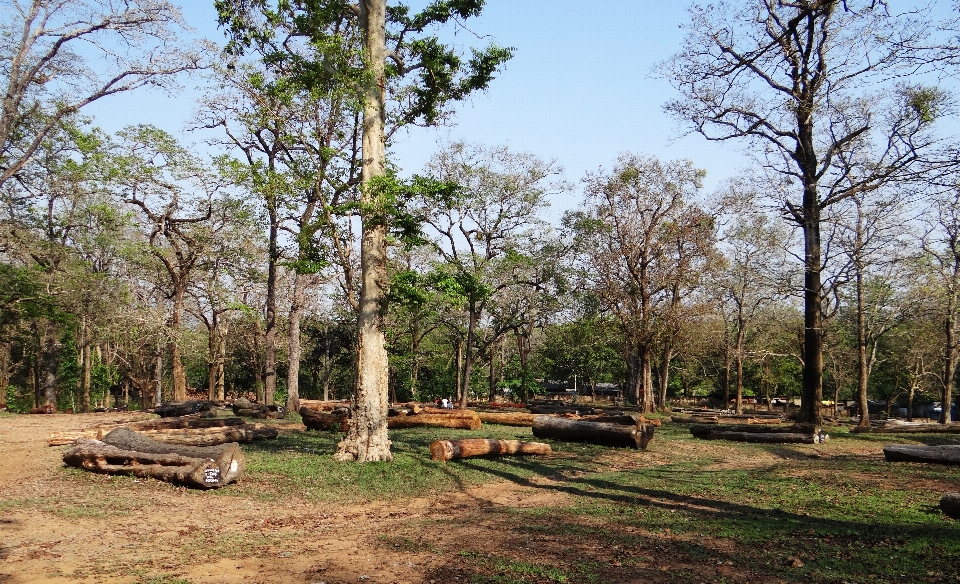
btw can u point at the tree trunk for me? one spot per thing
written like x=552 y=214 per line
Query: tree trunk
x=123 y=451
x=646 y=381
x=468 y=355
x=664 y=381
x=270 y=335
x=811 y=394
x=635 y=436
x=294 y=351
x=50 y=360
x=944 y=454
x=85 y=371
x=176 y=363
x=456 y=449
x=949 y=365
x=366 y=439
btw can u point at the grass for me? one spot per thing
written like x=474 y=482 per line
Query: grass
x=686 y=510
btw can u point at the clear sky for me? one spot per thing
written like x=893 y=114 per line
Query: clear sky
x=578 y=90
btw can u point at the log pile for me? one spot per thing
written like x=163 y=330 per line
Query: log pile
x=950 y=505
x=188 y=430
x=317 y=420
x=636 y=435
x=125 y=452
x=471 y=447
x=248 y=409
x=901 y=427
x=763 y=434
x=944 y=454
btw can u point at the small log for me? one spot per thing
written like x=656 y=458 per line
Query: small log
x=949 y=504
x=125 y=452
x=471 y=447
x=317 y=420
x=462 y=419
x=944 y=454
x=635 y=436
x=507 y=419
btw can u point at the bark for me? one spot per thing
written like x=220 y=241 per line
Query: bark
x=797 y=434
x=176 y=363
x=85 y=370
x=317 y=420
x=468 y=356
x=945 y=454
x=270 y=335
x=893 y=427
x=49 y=361
x=456 y=449
x=294 y=351
x=949 y=365
x=123 y=451
x=635 y=436
x=517 y=419
x=366 y=439
x=664 y=374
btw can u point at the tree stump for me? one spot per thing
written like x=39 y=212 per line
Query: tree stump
x=471 y=447
x=125 y=452
x=635 y=436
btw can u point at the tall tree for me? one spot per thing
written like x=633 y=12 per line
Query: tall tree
x=61 y=55
x=642 y=237
x=423 y=76
x=817 y=90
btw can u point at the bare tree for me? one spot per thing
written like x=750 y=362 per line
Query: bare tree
x=57 y=56
x=817 y=89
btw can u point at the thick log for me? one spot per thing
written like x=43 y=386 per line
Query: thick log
x=561 y=409
x=185 y=408
x=183 y=422
x=182 y=430
x=212 y=436
x=123 y=451
x=317 y=420
x=899 y=427
x=700 y=419
x=950 y=505
x=471 y=447
x=944 y=454
x=763 y=434
x=42 y=410
x=507 y=419
x=635 y=436
x=463 y=420
x=324 y=406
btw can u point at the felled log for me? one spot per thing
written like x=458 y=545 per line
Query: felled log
x=126 y=452
x=185 y=430
x=900 y=427
x=944 y=454
x=323 y=406
x=317 y=420
x=458 y=419
x=507 y=419
x=470 y=447
x=48 y=409
x=248 y=409
x=762 y=434
x=184 y=408
x=635 y=436
x=949 y=504
x=561 y=409
x=702 y=419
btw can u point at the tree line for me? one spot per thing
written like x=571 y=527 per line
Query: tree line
x=289 y=259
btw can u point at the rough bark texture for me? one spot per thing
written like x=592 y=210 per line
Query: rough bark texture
x=636 y=436
x=294 y=350
x=187 y=431
x=366 y=440
x=798 y=434
x=893 y=427
x=455 y=449
x=123 y=451
x=517 y=419
x=317 y=420
x=945 y=454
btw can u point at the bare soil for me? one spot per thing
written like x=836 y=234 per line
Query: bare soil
x=65 y=525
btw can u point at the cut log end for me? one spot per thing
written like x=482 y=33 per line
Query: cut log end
x=950 y=505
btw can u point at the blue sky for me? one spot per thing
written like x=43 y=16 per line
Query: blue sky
x=578 y=89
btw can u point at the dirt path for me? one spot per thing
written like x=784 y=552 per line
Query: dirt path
x=53 y=529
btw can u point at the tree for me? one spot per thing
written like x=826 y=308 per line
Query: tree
x=423 y=76
x=816 y=89
x=484 y=235
x=61 y=55
x=643 y=242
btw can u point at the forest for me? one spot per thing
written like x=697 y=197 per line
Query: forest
x=289 y=258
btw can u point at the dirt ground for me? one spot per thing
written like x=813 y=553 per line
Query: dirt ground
x=162 y=532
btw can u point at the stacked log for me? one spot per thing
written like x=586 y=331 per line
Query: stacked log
x=125 y=452
x=457 y=419
x=764 y=434
x=184 y=430
x=471 y=447
x=901 y=427
x=944 y=454
x=317 y=420
x=636 y=435
x=950 y=505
